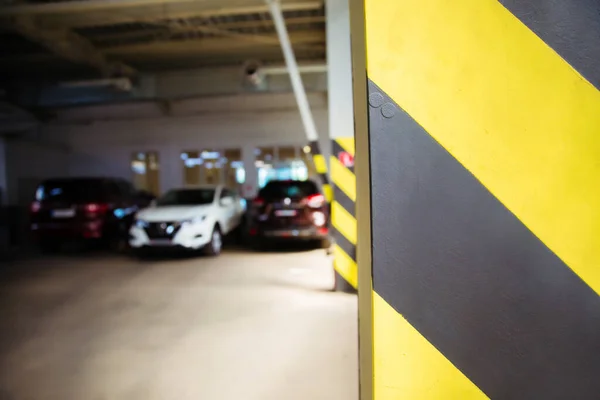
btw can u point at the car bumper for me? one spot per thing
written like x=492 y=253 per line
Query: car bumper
x=79 y=230
x=190 y=237
x=310 y=233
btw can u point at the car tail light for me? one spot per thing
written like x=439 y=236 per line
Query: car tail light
x=253 y=231
x=95 y=208
x=319 y=218
x=258 y=202
x=315 y=200
x=35 y=207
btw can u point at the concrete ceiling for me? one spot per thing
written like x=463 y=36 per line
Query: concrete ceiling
x=42 y=39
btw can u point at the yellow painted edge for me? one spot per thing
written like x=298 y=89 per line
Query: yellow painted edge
x=346 y=143
x=327 y=192
x=407 y=366
x=320 y=164
x=506 y=106
x=344 y=222
x=343 y=178
x=345 y=266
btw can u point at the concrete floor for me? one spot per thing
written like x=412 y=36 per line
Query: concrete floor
x=243 y=326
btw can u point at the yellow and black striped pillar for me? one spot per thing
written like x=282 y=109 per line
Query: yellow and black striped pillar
x=482 y=242
x=320 y=164
x=343 y=217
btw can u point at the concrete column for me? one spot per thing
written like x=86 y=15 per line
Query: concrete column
x=339 y=75
x=251 y=184
x=341 y=143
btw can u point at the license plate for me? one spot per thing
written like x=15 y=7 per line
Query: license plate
x=161 y=242
x=285 y=213
x=69 y=213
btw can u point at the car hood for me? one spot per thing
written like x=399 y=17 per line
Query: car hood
x=172 y=213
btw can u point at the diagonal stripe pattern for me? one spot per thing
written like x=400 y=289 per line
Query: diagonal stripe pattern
x=485 y=200
x=343 y=216
x=321 y=169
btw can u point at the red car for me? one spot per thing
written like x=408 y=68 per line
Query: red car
x=289 y=210
x=88 y=209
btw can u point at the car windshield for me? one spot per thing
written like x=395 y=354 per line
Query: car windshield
x=71 y=190
x=293 y=189
x=187 y=197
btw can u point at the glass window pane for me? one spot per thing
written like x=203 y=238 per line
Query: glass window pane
x=191 y=167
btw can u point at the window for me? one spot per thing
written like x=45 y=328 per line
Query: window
x=212 y=166
x=226 y=193
x=146 y=170
x=72 y=190
x=292 y=189
x=192 y=164
x=287 y=165
x=235 y=174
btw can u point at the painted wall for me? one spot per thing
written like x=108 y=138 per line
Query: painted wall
x=28 y=162
x=102 y=139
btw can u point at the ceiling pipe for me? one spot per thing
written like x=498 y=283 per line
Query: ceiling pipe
x=292 y=66
x=303 y=69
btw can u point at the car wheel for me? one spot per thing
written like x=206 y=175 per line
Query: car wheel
x=342 y=285
x=213 y=248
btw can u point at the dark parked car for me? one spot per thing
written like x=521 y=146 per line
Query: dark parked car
x=289 y=210
x=88 y=209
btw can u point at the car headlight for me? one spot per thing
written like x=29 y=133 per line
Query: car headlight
x=195 y=220
x=140 y=223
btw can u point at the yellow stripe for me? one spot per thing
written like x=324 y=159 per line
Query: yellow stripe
x=343 y=221
x=343 y=178
x=407 y=366
x=345 y=266
x=346 y=143
x=320 y=164
x=514 y=113
x=328 y=192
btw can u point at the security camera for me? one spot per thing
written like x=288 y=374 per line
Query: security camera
x=252 y=72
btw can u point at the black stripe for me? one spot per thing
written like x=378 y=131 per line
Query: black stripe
x=336 y=149
x=345 y=244
x=344 y=200
x=315 y=148
x=470 y=277
x=324 y=179
x=570 y=27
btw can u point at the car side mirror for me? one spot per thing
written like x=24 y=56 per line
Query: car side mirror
x=226 y=201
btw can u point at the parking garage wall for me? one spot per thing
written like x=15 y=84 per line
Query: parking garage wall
x=106 y=147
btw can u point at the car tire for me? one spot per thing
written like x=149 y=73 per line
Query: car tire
x=214 y=247
x=341 y=285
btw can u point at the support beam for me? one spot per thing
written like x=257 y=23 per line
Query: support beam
x=69 y=45
x=65 y=7
x=101 y=12
x=141 y=34
x=216 y=45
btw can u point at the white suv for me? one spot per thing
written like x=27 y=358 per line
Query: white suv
x=191 y=218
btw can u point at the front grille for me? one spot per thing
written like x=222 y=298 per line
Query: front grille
x=162 y=230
